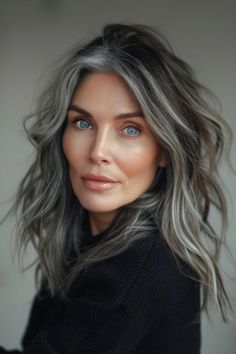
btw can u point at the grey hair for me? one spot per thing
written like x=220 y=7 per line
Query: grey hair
x=183 y=120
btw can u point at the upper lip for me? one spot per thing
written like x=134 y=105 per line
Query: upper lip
x=99 y=178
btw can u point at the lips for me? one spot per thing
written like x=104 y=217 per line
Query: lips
x=98 y=178
x=99 y=183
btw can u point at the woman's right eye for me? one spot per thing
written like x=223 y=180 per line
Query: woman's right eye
x=82 y=124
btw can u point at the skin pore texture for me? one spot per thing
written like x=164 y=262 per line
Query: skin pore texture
x=103 y=138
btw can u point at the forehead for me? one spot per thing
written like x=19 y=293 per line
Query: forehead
x=105 y=87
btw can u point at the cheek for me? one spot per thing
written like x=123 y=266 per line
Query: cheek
x=74 y=154
x=140 y=161
x=73 y=150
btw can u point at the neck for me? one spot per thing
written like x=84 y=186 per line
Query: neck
x=99 y=222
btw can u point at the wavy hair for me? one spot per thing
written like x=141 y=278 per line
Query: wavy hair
x=194 y=136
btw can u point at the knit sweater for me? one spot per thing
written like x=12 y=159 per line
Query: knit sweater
x=140 y=301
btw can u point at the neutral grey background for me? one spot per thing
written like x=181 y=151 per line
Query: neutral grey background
x=33 y=34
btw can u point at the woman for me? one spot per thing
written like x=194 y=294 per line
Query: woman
x=117 y=201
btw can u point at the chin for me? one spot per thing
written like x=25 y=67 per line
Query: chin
x=94 y=207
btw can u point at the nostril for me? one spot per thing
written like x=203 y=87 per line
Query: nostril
x=98 y=160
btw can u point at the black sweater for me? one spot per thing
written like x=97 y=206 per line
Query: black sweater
x=136 y=302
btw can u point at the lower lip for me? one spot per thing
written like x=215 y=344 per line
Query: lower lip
x=98 y=185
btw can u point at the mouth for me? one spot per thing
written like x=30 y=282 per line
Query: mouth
x=99 y=183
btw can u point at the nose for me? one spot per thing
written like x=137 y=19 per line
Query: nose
x=100 y=152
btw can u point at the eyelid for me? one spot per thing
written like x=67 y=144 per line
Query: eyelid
x=73 y=116
x=133 y=125
x=77 y=119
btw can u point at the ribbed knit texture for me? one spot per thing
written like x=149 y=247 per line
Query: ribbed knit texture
x=136 y=302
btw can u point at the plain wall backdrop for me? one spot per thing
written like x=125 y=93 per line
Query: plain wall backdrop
x=33 y=34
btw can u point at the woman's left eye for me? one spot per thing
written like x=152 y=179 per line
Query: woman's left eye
x=131 y=131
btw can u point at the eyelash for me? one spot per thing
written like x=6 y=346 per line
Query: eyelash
x=76 y=121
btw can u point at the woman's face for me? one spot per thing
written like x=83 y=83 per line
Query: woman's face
x=111 y=153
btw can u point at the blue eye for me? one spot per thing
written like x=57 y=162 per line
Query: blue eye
x=82 y=124
x=131 y=131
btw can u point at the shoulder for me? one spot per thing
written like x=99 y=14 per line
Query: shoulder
x=167 y=278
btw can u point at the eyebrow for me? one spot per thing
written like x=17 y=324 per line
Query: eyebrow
x=137 y=114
